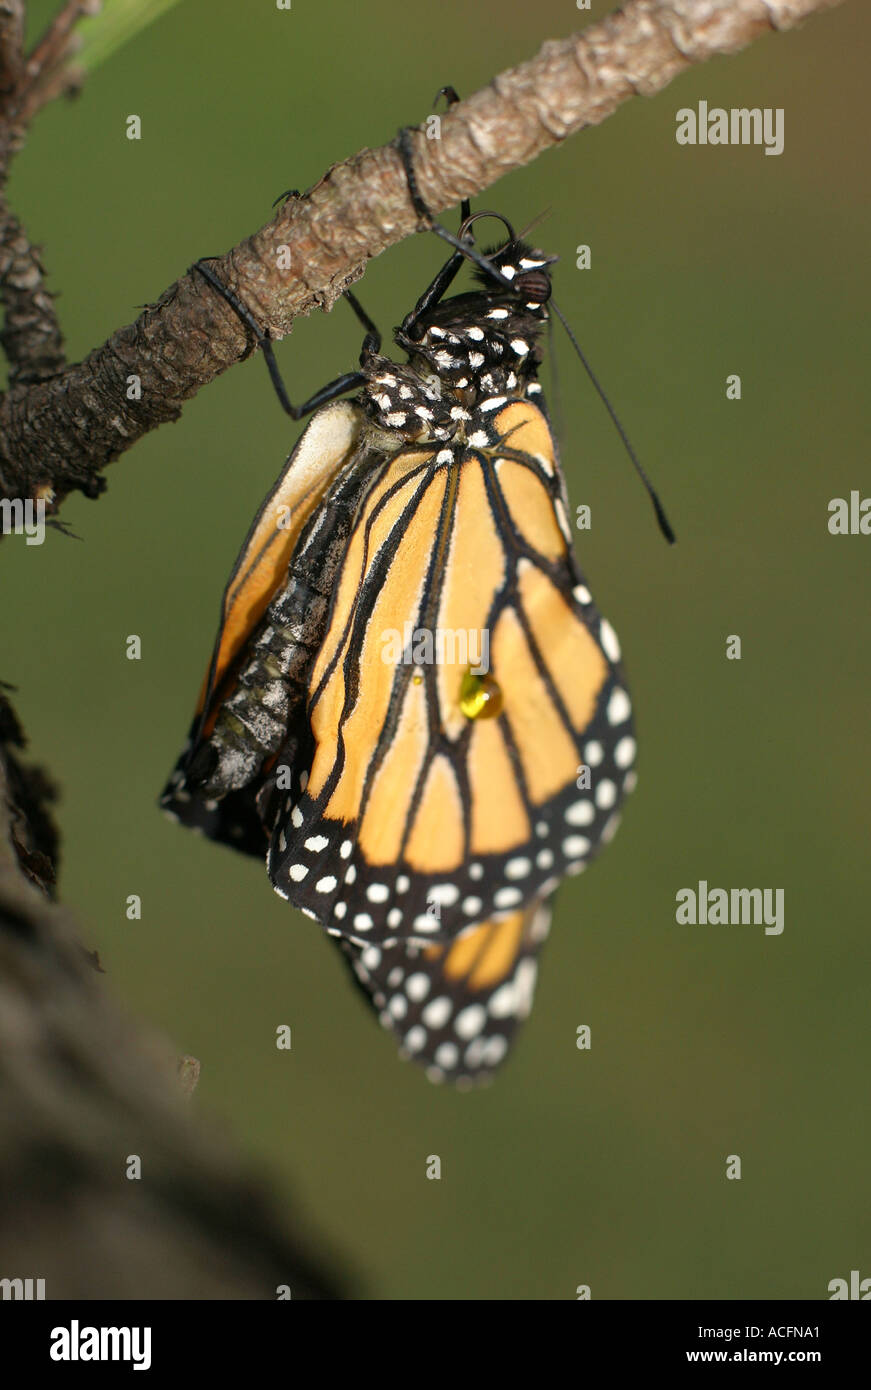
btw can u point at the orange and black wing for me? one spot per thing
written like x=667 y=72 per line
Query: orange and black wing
x=456 y=1007
x=436 y=793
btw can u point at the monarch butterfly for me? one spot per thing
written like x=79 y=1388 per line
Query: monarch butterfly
x=422 y=805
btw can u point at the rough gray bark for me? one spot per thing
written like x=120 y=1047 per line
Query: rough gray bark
x=82 y=1087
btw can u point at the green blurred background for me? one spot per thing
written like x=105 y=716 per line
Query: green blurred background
x=604 y=1168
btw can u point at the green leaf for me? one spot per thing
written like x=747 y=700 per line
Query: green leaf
x=117 y=23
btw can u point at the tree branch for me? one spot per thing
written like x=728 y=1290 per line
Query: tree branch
x=11 y=45
x=31 y=335
x=46 y=73
x=60 y=434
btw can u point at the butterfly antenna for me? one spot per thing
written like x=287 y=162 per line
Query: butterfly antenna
x=539 y=217
x=664 y=523
x=555 y=384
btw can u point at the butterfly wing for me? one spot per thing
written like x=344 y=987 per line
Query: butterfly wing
x=415 y=798
x=455 y=1008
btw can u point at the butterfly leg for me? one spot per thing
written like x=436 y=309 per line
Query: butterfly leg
x=451 y=97
x=348 y=381
x=436 y=290
x=464 y=249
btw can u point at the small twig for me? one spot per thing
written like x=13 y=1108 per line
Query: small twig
x=54 y=46
x=54 y=82
x=39 y=78
x=31 y=335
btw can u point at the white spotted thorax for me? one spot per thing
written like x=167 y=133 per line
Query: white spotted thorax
x=467 y=356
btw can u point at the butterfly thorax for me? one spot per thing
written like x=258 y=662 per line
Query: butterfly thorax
x=406 y=404
x=464 y=351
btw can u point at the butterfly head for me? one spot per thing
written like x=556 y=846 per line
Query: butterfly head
x=485 y=342
x=527 y=270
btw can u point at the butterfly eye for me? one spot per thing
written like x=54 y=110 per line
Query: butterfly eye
x=480 y=696
x=534 y=286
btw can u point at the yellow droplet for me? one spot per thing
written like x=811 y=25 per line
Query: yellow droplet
x=480 y=696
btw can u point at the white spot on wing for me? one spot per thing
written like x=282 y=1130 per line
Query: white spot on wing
x=608 y=638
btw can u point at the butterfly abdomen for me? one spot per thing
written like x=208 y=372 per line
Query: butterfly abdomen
x=270 y=687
